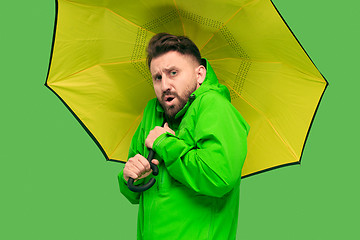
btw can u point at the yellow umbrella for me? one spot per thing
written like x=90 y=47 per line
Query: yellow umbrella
x=98 y=69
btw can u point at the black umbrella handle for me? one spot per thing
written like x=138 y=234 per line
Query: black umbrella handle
x=146 y=186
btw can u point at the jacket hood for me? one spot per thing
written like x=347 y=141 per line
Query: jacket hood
x=211 y=83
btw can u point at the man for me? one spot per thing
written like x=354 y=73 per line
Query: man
x=200 y=150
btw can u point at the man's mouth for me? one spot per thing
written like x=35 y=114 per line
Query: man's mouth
x=169 y=99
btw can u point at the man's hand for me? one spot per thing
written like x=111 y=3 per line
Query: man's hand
x=155 y=133
x=138 y=167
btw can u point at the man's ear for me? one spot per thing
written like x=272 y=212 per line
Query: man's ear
x=200 y=74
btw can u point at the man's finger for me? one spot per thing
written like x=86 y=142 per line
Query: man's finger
x=144 y=162
x=129 y=172
x=168 y=129
x=155 y=161
x=135 y=169
x=136 y=165
x=132 y=175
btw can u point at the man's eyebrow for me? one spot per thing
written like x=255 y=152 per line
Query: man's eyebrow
x=166 y=70
x=170 y=68
x=155 y=75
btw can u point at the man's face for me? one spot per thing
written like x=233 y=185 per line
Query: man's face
x=175 y=77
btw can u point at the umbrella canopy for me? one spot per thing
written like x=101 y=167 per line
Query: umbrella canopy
x=98 y=69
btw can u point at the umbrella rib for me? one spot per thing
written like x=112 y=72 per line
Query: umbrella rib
x=201 y=48
x=130 y=21
x=100 y=64
x=182 y=23
x=127 y=132
x=271 y=125
x=316 y=79
x=115 y=14
x=244 y=59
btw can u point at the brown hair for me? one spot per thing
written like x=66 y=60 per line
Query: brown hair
x=163 y=42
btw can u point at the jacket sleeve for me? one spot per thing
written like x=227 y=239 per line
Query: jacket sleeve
x=135 y=148
x=133 y=197
x=213 y=165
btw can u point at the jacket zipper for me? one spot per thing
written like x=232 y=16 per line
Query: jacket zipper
x=161 y=179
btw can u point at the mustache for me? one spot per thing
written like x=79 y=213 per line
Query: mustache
x=167 y=93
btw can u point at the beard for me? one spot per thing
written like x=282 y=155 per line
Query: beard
x=180 y=101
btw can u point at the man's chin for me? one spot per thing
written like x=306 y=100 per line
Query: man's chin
x=171 y=111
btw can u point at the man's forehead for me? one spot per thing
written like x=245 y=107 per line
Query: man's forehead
x=171 y=60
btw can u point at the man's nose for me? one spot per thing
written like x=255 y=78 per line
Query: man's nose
x=165 y=84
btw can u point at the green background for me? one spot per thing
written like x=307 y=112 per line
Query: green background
x=56 y=184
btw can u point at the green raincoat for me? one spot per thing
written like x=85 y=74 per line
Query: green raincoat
x=196 y=194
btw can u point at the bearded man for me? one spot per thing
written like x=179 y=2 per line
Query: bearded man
x=200 y=150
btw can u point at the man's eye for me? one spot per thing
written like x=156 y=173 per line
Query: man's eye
x=158 y=77
x=173 y=73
